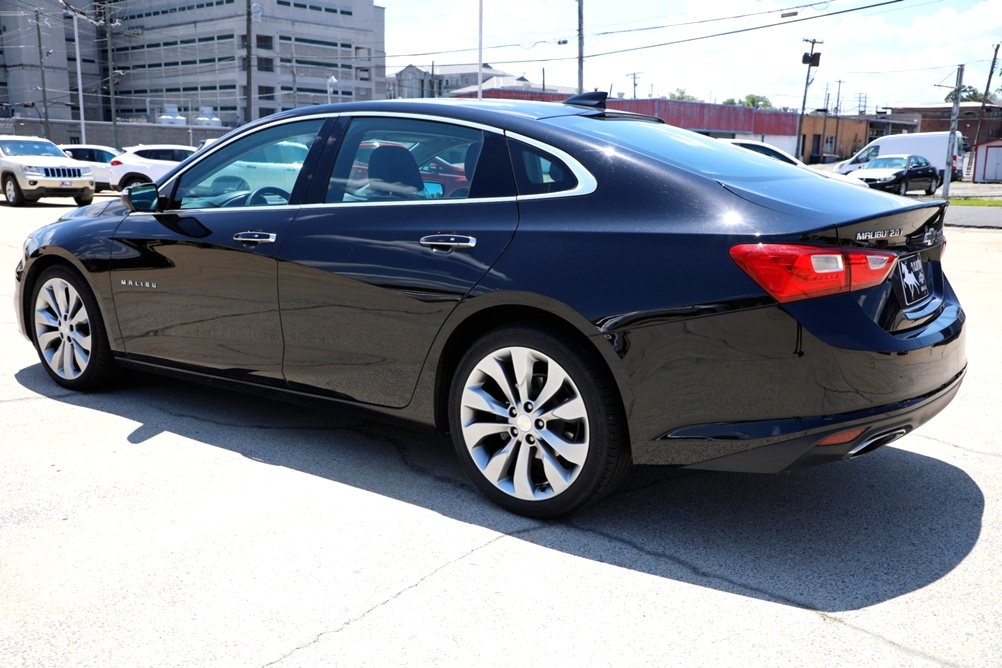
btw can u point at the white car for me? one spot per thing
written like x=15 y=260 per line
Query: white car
x=781 y=155
x=98 y=158
x=146 y=163
x=33 y=167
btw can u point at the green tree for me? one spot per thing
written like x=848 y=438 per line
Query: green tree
x=680 y=94
x=757 y=101
x=750 y=100
x=967 y=94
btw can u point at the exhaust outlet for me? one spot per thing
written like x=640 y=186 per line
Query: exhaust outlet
x=871 y=444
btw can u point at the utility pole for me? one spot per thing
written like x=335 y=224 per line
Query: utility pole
x=838 y=114
x=480 y=55
x=634 y=75
x=41 y=64
x=111 y=75
x=581 y=47
x=824 y=127
x=948 y=172
x=811 y=60
x=250 y=76
x=984 y=98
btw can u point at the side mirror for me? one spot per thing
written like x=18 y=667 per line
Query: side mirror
x=142 y=198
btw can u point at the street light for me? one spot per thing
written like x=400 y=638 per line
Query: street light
x=331 y=81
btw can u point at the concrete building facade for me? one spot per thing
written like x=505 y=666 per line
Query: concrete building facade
x=189 y=61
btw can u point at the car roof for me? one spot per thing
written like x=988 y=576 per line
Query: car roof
x=145 y=146
x=110 y=148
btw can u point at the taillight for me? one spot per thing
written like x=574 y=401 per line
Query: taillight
x=115 y=162
x=791 y=272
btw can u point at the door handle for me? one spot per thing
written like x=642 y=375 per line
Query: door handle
x=448 y=241
x=253 y=237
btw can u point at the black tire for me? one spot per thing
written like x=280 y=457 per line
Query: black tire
x=67 y=331
x=134 y=181
x=903 y=188
x=933 y=185
x=519 y=452
x=84 y=200
x=12 y=191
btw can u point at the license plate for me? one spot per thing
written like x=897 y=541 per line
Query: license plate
x=913 y=283
x=65 y=184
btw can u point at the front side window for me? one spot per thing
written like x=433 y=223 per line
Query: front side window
x=257 y=170
x=397 y=159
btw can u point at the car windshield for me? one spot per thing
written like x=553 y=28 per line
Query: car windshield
x=887 y=163
x=12 y=147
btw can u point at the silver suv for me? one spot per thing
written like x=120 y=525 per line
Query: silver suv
x=32 y=168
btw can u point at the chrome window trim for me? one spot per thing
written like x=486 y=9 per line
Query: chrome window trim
x=587 y=184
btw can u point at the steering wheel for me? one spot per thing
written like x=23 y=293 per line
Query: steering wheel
x=257 y=198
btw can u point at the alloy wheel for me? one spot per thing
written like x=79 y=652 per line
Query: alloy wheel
x=524 y=423
x=63 y=328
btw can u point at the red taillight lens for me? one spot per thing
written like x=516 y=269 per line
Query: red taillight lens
x=791 y=272
x=116 y=162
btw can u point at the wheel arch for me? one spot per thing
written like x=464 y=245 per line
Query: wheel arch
x=129 y=177
x=40 y=263
x=456 y=340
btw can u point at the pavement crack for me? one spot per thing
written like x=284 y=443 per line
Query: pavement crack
x=316 y=639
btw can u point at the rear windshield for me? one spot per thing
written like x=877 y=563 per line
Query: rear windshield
x=715 y=159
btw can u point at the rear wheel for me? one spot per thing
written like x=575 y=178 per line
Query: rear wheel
x=12 y=191
x=134 y=181
x=67 y=331
x=933 y=184
x=536 y=422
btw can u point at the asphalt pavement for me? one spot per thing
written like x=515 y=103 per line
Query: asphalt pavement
x=164 y=523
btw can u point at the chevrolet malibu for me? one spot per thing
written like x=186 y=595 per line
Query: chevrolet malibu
x=608 y=290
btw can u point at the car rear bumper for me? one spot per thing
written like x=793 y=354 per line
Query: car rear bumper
x=772 y=446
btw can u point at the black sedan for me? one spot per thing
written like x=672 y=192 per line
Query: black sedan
x=899 y=174
x=608 y=290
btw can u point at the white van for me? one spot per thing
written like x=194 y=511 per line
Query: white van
x=930 y=145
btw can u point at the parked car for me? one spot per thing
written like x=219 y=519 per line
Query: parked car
x=610 y=290
x=98 y=158
x=33 y=167
x=145 y=164
x=938 y=147
x=777 y=153
x=899 y=174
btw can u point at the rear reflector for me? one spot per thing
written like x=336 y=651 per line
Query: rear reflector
x=842 y=437
x=791 y=272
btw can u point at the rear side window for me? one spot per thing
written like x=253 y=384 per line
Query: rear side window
x=537 y=172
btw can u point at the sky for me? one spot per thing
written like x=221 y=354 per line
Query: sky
x=885 y=52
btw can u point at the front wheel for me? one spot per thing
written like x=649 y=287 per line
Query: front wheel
x=12 y=191
x=903 y=188
x=537 y=422
x=67 y=331
x=84 y=200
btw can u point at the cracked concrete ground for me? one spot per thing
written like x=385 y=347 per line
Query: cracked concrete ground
x=170 y=524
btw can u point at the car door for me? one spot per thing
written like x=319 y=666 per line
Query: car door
x=372 y=270
x=195 y=284
x=920 y=171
